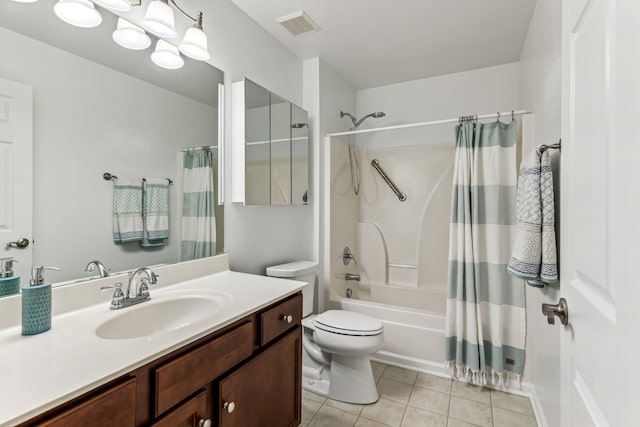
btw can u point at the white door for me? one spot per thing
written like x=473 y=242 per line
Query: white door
x=600 y=212
x=16 y=174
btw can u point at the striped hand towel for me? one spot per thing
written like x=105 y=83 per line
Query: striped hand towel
x=155 y=211
x=127 y=210
x=534 y=256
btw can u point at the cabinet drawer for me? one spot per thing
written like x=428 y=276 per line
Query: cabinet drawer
x=276 y=320
x=188 y=414
x=179 y=378
x=115 y=406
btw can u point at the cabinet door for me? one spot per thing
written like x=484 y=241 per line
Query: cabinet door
x=192 y=413
x=266 y=391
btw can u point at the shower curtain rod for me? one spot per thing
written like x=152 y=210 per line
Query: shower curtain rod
x=433 y=122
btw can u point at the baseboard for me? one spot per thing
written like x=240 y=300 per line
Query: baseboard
x=522 y=388
x=537 y=407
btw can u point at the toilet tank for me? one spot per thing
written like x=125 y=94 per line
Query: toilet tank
x=304 y=271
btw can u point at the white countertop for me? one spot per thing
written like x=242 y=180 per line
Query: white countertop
x=42 y=371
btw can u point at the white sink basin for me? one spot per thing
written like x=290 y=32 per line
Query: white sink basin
x=164 y=315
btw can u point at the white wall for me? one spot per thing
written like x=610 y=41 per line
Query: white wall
x=326 y=93
x=540 y=90
x=256 y=236
x=481 y=91
x=90 y=119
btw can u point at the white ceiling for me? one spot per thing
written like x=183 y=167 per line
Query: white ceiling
x=378 y=42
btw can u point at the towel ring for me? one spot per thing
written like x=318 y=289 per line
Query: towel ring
x=108 y=177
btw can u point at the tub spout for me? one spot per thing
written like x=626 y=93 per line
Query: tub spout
x=350 y=276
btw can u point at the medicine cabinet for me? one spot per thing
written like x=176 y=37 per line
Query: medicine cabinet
x=270 y=148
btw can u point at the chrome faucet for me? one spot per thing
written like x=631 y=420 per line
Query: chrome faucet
x=137 y=289
x=350 y=276
x=102 y=271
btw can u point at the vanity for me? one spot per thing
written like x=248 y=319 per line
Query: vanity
x=218 y=348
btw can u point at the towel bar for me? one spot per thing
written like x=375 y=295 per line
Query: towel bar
x=110 y=177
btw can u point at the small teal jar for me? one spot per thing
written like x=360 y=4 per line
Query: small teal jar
x=36 y=303
x=36 y=309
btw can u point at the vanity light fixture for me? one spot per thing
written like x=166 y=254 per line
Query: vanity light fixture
x=194 y=44
x=25 y=1
x=131 y=36
x=159 y=19
x=166 y=55
x=80 y=13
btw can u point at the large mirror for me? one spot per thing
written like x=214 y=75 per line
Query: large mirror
x=276 y=148
x=100 y=108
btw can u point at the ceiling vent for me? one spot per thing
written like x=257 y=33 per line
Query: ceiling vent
x=298 y=23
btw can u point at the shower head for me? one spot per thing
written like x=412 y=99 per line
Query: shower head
x=357 y=123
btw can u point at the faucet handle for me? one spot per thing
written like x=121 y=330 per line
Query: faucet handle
x=143 y=289
x=117 y=300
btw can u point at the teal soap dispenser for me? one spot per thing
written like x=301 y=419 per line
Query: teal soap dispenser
x=36 y=302
x=9 y=284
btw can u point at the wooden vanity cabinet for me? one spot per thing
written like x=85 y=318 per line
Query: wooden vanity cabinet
x=256 y=363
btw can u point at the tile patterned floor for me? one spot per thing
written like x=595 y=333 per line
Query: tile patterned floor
x=412 y=399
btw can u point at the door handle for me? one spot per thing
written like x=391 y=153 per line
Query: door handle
x=21 y=243
x=561 y=309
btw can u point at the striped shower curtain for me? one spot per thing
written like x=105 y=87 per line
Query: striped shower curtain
x=486 y=325
x=198 y=217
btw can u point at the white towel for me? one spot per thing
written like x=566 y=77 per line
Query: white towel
x=127 y=210
x=155 y=211
x=534 y=256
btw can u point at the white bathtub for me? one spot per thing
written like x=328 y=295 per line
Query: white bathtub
x=413 y=322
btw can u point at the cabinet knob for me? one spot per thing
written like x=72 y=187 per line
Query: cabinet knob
x=229 y=406
x=204 y=423
x=287 y=318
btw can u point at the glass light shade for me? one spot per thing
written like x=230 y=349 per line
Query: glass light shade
x=167 y=56
x=159 y=20
x=131 y=36
x=80 y=13
x=115 y=5
x=194 y=44
x=25 y=1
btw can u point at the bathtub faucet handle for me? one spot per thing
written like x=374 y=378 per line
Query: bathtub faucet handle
x=347 y=256
x=350 y=276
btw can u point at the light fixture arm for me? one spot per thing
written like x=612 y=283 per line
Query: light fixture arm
x=198 y=20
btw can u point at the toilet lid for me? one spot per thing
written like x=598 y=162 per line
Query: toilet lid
x=348 y=323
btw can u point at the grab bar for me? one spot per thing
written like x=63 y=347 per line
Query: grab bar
x=376 y=165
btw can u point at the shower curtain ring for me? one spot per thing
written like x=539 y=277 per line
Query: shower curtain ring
x=498 y=119
x=513 y=116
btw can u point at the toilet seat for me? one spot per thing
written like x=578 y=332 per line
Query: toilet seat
x=349 y=323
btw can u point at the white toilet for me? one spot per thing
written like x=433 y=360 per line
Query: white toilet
x=335 y=344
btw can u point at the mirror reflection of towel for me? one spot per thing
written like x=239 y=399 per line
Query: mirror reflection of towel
x=155 y=211
x=127 y=210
